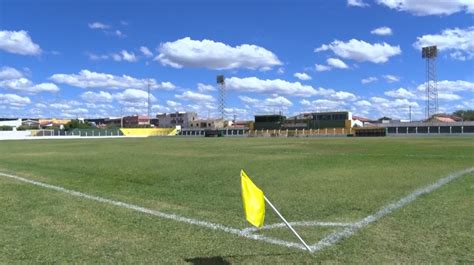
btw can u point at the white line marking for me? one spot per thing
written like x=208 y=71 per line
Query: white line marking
x=300 y=223
x=351 y=230
x=169 y=216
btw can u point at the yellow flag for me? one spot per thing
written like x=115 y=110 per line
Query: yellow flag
x=252 y=197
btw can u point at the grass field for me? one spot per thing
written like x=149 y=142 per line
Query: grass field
x=329 y=180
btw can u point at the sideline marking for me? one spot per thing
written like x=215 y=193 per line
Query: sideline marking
x=351 y=230
x=163 y=215
x=298 y=223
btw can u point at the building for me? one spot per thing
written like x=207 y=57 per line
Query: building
x=171 y=120
x=207 y=124
x=263 y=122
x=53 y=122
x=314 y=120
x=136 y=120
x=14 y=123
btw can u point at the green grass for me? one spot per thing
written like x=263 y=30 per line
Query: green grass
x=330 y=179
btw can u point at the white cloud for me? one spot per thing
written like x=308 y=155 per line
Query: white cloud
x=369 y=80
x=18 y=42
x=305 y=103
x=382 y=31
x=361 y=51
x=98 y=25
x=328 y=105
x=400 y=93
x=363 y=103
x=26 y=86
x=430 y=7
x=391 y=78
x=9 y=73
x=253 y=84
x=14 y=100
x=173 y=104
x=205 y=88
x=132 y=96
x=322 y=68
x=302 y=76
x=93 y=97
x=267 y=105
x=337 y=63
x=358 y=3
x=278 y=101
x=124 y=56
x=248 y=100
x=146 y=51
x=215 y=55
x=459 y=41
x=196 y=97
x=119 y=34
x=89 y=79
x=451 y=86
x=343 y=96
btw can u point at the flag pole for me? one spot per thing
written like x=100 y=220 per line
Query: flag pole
x=287 y=224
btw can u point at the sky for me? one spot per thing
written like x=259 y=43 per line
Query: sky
x=89 y=59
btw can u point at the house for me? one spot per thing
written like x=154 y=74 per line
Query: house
x=136 y=120
x=171 y=120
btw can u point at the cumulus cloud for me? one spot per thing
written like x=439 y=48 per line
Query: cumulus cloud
x=430 y=7
x=98 y=25
x=452 y=86
x=271 y=86
x=400 y=93
x=391 y=78
x=337 y=63
x=146 y=51
x=369 y=80
x=205 y=53
x=361 y=51
x=358 y=3
x=13 y=100
x=132 y=96
x=89 y=79
x=18 y=42
x=343 y=96
x=9 y=73
x=267 y=105
x=194 y=96
x=124 y=56
x=205 y=88
x=458 y=41
x=322 y=68
x=93 y=97
x=11 y=78
x=302 y=76
x=382 y=31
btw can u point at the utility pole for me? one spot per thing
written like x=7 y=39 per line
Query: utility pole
x=148 y=104
x=409 y=107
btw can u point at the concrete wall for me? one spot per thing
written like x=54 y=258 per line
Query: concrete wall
x=9 y=135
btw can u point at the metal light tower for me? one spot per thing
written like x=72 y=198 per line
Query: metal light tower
x=221 y=83
x=429 y=54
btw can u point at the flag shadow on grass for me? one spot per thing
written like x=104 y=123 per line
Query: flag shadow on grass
x=220 y=260
x=208 y=260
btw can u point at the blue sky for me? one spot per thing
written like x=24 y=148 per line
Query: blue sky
x=95 y=58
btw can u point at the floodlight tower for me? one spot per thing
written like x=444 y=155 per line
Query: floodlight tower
x=221 y=83
x=429 y=54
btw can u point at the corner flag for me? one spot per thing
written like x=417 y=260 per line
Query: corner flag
x=253 y=199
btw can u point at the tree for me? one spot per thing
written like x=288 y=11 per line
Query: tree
x=467 y=115
x=76 y=124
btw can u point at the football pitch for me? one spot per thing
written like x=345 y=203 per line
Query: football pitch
x=177 y=200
